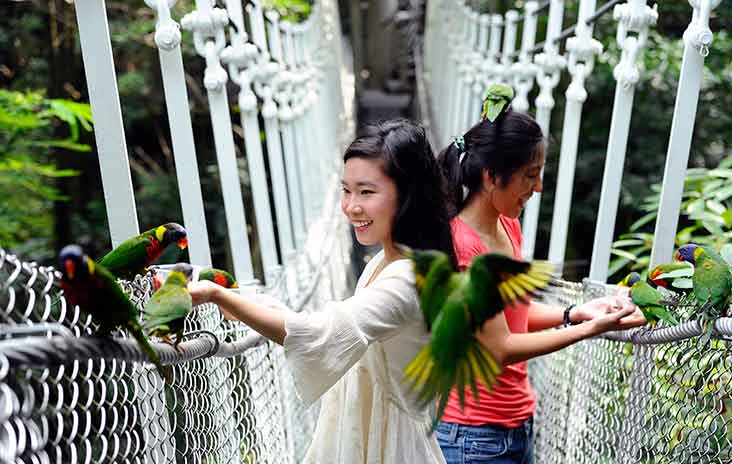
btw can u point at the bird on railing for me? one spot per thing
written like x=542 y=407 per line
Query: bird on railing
x=134 y=255
x=651 y=301
x=455 y=305
x=218 y=276
x=672 y=276
x=166 y=311
x=712 y=283
x=95 y=291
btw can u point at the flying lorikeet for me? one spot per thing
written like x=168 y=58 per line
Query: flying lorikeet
x=650 y=300
x=454 y=357
x=218 y=276
x=133 y=255
x=712 y=283
x=166 y=311
x=672 y=276
x=96 y=291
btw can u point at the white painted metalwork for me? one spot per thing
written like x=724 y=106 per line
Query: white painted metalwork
x=96 y=50
x=207 y=25
x=524 y=70
x=697 y=39
x=633 y=16
x=167 y=38
x=581 y=49
x=549 y=64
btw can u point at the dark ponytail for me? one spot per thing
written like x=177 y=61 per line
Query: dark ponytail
x=501 y=147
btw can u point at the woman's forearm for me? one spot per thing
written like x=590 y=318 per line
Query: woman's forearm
x=509 y=348
x=269 y=322
x=543 y=316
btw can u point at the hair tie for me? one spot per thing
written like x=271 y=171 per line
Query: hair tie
x=459 y=143
x=497 y=97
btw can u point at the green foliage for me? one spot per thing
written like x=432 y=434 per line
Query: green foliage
x=27 y=170
x=290 y=10
x=706 y=218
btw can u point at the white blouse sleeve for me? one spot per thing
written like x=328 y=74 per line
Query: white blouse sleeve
x=322 y=346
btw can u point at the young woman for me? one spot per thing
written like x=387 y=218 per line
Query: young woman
x=353 y=353
x=492 y=172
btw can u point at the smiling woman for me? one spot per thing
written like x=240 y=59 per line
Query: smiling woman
x=352 y=354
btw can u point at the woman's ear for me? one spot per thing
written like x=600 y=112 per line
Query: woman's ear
x=490 y=181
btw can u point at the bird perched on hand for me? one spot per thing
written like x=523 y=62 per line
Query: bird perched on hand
x=650 y=300
x=712 y=283
x=96 y=291
x=455 y=305
x=166 y=311
x=134 y=255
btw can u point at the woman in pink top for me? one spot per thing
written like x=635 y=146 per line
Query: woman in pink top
x=492 y=171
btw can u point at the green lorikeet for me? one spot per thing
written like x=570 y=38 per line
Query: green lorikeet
x=455 y=311
x=650 y=300
x=712 y=283
x=133 y=255
x=672 y=276
x=96 y=291
x=166 y=311
x=218 y=276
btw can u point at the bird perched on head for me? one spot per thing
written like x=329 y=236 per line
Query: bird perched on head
x=96 y=291
x=712 y=283
x=455 y=305
x=166 y=311
x=650 y=300
x=133 y=255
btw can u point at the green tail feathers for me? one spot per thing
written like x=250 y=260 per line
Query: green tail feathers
x=136 y=331
x=433 y=378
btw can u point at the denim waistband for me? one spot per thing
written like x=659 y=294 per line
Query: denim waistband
x=451 y=432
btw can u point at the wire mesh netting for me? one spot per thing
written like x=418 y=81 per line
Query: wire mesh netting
x=640 y=396
x=69 y=396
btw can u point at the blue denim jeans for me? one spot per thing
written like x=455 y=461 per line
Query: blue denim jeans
x=486 y=444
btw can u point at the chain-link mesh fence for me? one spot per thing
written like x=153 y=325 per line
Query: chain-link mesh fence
x=69 y=396
x=640 y=396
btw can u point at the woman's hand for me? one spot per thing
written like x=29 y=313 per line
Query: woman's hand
x=623 y=319
x=600 y=307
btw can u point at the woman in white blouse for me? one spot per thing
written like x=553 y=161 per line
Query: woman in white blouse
x=353 y=353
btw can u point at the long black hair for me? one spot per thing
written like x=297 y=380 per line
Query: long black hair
x=502 y=147
x=422 y=220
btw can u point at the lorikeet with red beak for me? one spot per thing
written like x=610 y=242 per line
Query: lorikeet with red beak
x=218 y=276
x=166 y=311
x=134 y=255
x=96 y=291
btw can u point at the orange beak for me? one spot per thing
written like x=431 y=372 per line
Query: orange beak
x=70 y=268
x=183 y=243
x=235 y=285
x=678 y=257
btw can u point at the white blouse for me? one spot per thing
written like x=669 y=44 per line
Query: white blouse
x=353 y=354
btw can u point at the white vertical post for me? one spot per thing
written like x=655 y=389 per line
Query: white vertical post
x=481 y=59
x=697 y=39
x=582 y=49
x=167 y=38
x=509 y=46
x=633 y=16
x=96 y=50
x=208 y=25
x=524 y=70
x=549 y=65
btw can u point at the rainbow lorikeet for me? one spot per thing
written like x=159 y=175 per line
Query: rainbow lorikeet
x=166 y=311
x=712 y=283
x=133 y=255
x=96 y=291
x=454 y=312
x=218 y=276
x=672 y=276
x=650 y=300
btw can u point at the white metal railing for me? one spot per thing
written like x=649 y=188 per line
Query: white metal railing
x=456 y=57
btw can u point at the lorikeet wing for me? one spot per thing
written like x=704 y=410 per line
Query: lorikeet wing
x=652 y=303
x=434 y=279
x=169 y=306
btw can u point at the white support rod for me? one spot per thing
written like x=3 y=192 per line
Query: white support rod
x=697 y=39
x=634 y=16
x=549 y=65
x=96 y=51
x=167 y=38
